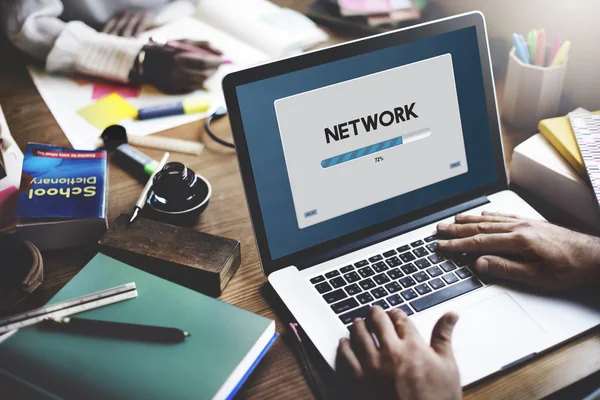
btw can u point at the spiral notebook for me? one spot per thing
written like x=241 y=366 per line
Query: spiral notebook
x=586 y=128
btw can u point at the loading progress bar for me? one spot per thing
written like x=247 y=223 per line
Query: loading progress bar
x=377 y=147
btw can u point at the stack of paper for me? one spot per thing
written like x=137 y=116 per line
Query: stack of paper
x=380 y=12
x=263 y=25
x=540 y=169
x=559 y=164
x=558 y=132
x=587 y=132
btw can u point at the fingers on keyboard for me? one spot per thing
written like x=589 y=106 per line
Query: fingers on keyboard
x=413 y=277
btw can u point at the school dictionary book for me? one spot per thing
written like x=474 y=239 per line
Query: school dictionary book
x=225 y=344
x=63 y=203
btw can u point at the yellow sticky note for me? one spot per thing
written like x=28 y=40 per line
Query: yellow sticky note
x=109 y=110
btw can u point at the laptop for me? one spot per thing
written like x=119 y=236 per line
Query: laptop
x=351 y=155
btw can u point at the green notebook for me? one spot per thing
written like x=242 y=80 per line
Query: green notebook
x=226 y=343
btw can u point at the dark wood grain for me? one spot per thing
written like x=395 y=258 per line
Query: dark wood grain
x=278 y=375
x=197 y=260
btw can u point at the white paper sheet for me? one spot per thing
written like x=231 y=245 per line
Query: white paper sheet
x=275 y=30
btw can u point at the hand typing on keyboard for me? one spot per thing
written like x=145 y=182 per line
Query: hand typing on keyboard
x=533 y=252
x=403 y=366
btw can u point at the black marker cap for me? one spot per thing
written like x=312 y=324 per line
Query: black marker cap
x=114 y=136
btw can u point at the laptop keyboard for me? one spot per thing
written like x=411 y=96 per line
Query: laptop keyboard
x=413 y=277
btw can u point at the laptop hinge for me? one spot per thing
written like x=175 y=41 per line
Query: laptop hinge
x=398 y=230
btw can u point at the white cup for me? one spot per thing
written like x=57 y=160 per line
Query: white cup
x=531 y=92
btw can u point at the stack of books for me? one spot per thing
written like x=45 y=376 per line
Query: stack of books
x=550 y=166
x=62 y=200
x=367 y=15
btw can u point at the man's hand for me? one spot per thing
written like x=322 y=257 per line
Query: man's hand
x=402 y=366
x=128 y=23
x=533 y=252
x=176 y=71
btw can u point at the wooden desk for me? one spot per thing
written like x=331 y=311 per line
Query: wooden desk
x=278 y=375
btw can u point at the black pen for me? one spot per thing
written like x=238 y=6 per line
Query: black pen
x=117 y=330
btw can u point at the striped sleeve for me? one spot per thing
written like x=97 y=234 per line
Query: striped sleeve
x=80 y=49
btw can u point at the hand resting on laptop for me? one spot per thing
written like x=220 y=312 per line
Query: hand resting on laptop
x=533 y=252
x=403 y=366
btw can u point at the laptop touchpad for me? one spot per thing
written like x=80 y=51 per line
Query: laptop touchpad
x=492 y=334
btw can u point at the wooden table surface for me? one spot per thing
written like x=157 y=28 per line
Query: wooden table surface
x=279 y=374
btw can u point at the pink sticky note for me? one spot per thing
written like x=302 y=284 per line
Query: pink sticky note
x=102 y=89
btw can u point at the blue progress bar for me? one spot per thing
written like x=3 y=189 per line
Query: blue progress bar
x=365 y=151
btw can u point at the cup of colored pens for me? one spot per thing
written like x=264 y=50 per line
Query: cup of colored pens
x=537 y=65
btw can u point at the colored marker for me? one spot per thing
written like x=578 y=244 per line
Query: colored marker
x=187 y=106
x=524 y=45
x=561 y=54
x=531 y=43
x=555 y=47
x=540 y=48
x=134 y=160
x=520 y=48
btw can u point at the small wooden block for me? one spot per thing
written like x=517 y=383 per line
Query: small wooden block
x=197 y=260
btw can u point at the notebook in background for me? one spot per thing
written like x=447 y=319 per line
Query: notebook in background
x=541 y=170
x=587 y=133
x=558 y=131
x=261 y=24
x=380 y=12
x=395 y=17
x=369 y=7
x=225 y=344
x=366 y=16
x=327 y=13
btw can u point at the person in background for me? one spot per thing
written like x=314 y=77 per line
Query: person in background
x=404 y=366
x=95 y=38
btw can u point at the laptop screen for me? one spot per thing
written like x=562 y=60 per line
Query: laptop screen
x=339 y=147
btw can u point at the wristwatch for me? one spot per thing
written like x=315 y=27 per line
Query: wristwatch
x=136 y=74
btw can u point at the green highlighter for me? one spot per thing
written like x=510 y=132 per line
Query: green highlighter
x=114 y=138
x=134 y=160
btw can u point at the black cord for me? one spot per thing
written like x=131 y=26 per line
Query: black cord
x=218 y=114
x=305 y=363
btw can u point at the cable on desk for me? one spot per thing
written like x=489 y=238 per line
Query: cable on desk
x=218 y=114
x=305 y=364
